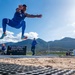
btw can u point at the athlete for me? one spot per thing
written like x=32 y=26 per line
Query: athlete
x=34 y=43
x=18 y=20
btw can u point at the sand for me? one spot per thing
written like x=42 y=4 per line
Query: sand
x=55 y=62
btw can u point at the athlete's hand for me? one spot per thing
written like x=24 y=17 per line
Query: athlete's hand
x=20 y=7
x=39 y=16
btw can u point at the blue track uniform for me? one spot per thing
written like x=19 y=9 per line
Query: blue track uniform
x=33 y=47
x=17 y=21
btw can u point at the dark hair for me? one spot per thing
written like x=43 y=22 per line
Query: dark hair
x=24 y=5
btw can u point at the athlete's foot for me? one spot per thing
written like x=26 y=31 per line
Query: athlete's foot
x=24 y=37
x=3 y=35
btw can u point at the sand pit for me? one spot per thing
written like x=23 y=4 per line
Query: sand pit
x=56 y=62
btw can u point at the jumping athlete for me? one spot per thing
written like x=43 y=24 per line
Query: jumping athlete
x=18 y=20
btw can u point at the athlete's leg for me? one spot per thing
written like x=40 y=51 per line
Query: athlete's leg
x=6 y=21
x=23 y=25
x=34 y=50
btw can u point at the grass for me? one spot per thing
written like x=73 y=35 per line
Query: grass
x=58 y=53
x=48 y=53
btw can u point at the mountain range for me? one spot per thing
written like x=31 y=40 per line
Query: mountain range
x=66 y=43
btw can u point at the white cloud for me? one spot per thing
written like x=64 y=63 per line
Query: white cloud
x=11 y=38
x=72 y=25
x=32 y=35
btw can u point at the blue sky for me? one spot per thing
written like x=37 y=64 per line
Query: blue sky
x=57 y=22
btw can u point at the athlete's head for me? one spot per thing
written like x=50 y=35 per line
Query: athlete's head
x=3 y=44
x=34 y=39
x=24 y=7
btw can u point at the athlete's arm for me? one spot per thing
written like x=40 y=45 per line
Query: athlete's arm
x=17 y=10
x=20 y=7
x=33 y=16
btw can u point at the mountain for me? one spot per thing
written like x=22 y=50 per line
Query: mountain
x=67 y=43
x=42 y=45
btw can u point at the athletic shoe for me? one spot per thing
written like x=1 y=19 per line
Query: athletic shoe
x=24 y=37
x=3 y=35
